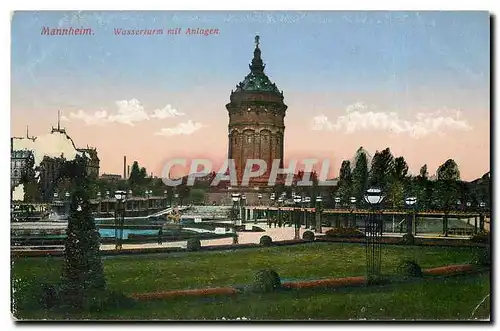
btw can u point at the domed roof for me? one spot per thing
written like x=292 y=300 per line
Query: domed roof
x=257 y=80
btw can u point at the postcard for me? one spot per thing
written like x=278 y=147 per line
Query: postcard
x=250 y=166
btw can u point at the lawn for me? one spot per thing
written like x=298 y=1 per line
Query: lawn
x=452 y=298
x=161 y=272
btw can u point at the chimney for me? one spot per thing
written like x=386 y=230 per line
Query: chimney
x=124 y=166
x=128 y=171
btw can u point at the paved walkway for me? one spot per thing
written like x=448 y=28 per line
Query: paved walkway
x=277 y=234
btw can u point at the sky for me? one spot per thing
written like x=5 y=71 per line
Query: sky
x=416 y=82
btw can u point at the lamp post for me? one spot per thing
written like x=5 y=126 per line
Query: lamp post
x=410 y=226
x=119 y=217
x=272 y=197
x=235 y=197
x=353 y=206
x=304 y=215
x=337 y=216
x=280 y=214
x=468 y=204
x=99 y=202
x=297 y=199
x=148 y=195
x=373 y=235
x=482 y=206
x=319 y=209
x=66 y=203
x=243 y=203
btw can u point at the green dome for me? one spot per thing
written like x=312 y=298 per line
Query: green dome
x=257 y=82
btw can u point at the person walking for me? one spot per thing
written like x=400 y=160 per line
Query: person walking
x=160 y=236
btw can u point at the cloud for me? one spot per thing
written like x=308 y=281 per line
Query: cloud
x=166 y=112
x=186 y=128
x=321 y=122
x=359 y=118
x=98 y=117
x=129 y=112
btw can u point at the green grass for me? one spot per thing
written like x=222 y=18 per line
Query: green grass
x=138 y=274
x=451 y=298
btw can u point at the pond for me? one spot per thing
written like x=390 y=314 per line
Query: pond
x=110 y=233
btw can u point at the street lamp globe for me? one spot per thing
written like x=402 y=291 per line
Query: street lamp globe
x=244 y=198
x=353 y=200
x=468 y=204
x=373 y=196
x=56 y=195
x=120 y=195
x=98 y=195
x=107 y=194
x=337 y=199
x=410 y=201
x=482 y=204
x=319 y=198
x=67 y=195
x=297 y=198
x=235 y=197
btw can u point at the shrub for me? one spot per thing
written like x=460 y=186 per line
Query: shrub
x=408 y=239
x=482 y=256
x=49 y=295
x=193 y=244
x=409 y=269
x=308 y=236
x=345 y=233
x=481 y=237
x=265 y=241
x=266 y=280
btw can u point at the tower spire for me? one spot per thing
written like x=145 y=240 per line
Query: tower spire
x=59 y=120
x=27 y=132
x=257 y=65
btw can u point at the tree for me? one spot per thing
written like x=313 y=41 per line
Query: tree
x=135 y=174
x=345 y=181
x=28 y=180
x=400 y=168
x=423 y=188
x=382 y=168
x=447 y=191
x=197 y=195
x=83 y=270
x=360 y=175
x=424 y=174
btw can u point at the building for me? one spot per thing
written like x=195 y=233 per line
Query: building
x=256 y=120
x=48 y=171
x=111 y=177
x=93 y=163
x=19 y=160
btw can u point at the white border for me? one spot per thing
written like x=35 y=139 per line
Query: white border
x=489 y=5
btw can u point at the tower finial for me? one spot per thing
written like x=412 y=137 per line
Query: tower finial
x=257 y=65
x=59 y=120
x=27 y=132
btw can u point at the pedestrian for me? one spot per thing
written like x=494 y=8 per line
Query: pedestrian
x=160 y=236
